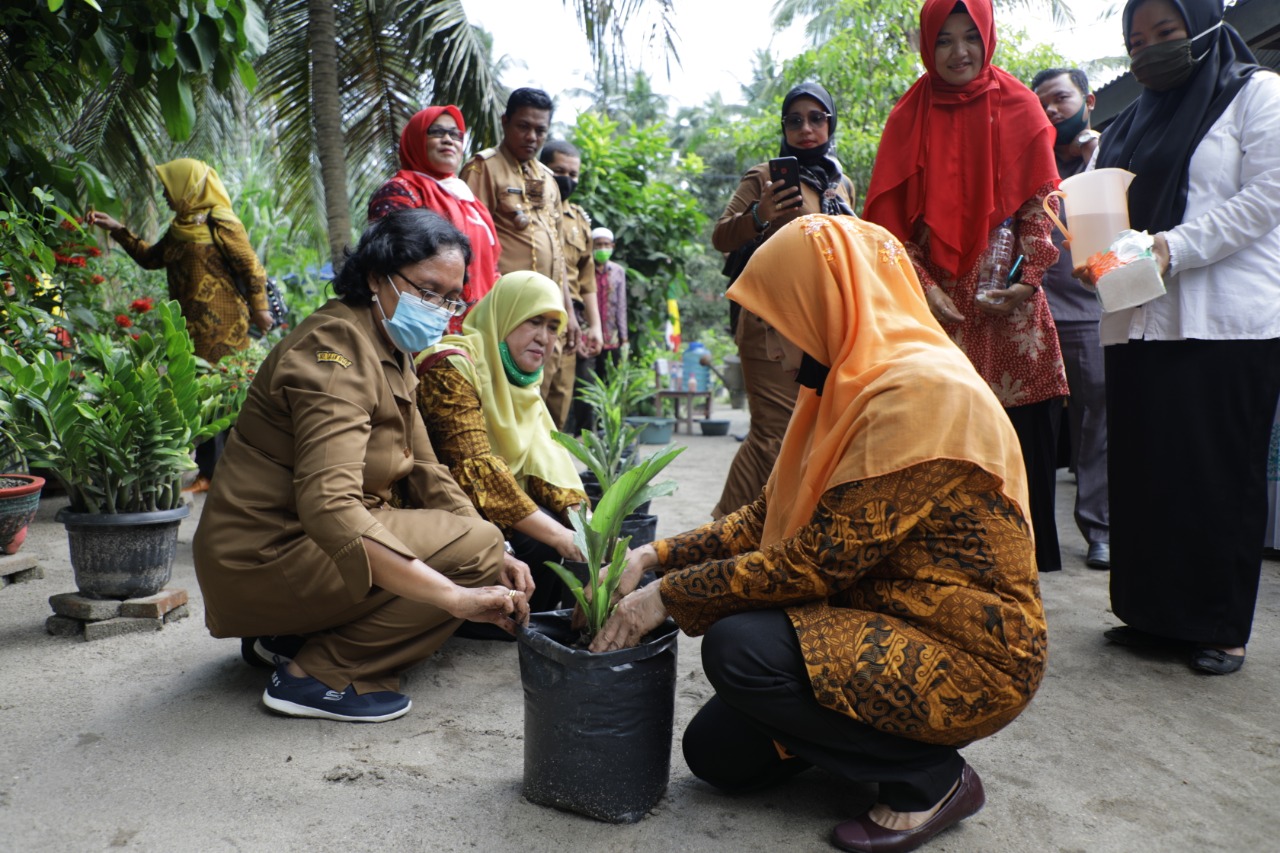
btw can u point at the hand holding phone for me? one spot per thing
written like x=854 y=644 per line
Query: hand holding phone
x=783 y=200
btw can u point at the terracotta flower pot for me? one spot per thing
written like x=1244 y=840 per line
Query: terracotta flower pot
x=19 y=499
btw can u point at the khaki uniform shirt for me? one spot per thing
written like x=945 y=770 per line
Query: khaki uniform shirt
x=328 y=449
x=579 y=262
x=525 y=204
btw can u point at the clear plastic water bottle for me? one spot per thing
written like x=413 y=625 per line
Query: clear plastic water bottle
x=993 y=274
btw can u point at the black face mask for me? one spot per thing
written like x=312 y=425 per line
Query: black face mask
x=1164 y=66
x=1070 y=128
x=567 y=185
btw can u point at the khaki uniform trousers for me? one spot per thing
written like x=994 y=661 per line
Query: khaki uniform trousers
x=771 y=398
x=558 y=375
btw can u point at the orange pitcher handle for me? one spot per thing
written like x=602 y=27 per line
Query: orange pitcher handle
x=1049 y=210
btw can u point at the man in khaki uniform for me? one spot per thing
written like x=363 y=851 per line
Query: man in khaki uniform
x=559 y=372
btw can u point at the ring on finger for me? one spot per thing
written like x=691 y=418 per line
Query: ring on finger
x=512 y=593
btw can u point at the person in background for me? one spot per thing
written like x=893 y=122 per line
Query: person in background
x=754 y=214
x=1067 y=101
x=611 y=299
x=431 y=145
x=478 y=394
x=560 y=371
x=967 y=148
x=1193 y=376
x=876 y=609
x=202 y=252
x=332 y=540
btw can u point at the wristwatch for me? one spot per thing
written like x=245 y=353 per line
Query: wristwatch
x=1085 y=135
x=506 y=546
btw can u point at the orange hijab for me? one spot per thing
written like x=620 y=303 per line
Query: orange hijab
x=962 y=158
x=899 y=392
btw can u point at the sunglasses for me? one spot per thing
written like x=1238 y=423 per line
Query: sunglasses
x=438 y=132
x=795 y=121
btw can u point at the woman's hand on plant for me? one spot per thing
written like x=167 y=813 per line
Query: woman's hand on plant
x=567 y=548
x=943 y=308
x=504 y=607
x=637 y=614
x=1010 y=298
x=263 y=320
x=102 y=220
x=516 y=575
x=639 y=560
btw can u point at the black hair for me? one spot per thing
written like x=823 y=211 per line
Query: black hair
x=535 y=98
x=400 y=238
x=1078 y=78
x=552 y=147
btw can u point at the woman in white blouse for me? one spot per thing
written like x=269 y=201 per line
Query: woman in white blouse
x=1193 y=376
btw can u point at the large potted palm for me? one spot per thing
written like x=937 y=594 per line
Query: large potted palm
x=115 y=424
x=588 y=714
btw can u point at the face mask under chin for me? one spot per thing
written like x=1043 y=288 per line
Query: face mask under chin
x=1070 y=128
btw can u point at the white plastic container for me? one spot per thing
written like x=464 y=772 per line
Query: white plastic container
x=1097 y=209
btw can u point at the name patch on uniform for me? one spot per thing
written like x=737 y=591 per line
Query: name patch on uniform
x=335 y=357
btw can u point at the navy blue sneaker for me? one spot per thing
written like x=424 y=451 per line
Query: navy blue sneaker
x=267 y=652
x=308 y=697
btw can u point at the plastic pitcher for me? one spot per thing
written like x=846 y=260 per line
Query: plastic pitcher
x=1097 y=206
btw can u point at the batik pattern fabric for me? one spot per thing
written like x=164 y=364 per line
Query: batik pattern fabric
x=913 y=594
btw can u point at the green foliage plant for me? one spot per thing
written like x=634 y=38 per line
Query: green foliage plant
x=115 y=423
x=598 y=534
x=612 y=397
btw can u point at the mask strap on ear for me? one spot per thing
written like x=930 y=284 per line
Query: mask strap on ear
x=1201 y=35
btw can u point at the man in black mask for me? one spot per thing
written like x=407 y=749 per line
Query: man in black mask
x=559 y=371
x=1067 y=101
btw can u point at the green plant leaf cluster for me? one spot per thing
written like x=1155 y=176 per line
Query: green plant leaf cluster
x=115 y=423
x=598 y=533
x=611 y=397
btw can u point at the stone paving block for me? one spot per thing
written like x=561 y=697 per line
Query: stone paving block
x=179 y=612
x=18 y=568
x=64 y=626
x=118 y=626
x=81 y=607
x=154 y=606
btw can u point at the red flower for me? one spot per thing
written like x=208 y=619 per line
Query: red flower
x=123 y=321
x=93 y=251
x=61 y=258
x=134 y=335
x=97 y=279
x=142 y=306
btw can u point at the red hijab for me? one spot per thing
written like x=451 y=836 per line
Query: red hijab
x=447 y=195
x=962 y=158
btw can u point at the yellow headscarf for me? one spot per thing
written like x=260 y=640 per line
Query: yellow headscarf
x=515 y=417
x=196 y=193
x=899 y=392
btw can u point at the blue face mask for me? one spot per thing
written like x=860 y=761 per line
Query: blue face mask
x=416 y=325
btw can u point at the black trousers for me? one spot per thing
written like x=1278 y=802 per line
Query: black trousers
x=1035 y=425
x=549 y=593
x=209 y=451
x=1189 y=426
x=763 y=695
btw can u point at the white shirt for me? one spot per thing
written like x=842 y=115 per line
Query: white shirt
x=1223 y=280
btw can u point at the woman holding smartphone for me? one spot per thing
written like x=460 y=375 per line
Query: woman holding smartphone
x=757 y=210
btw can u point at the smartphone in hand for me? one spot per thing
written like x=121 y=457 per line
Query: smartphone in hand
x=785 y=171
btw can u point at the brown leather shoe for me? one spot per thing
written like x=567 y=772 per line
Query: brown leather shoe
x=863 y=835
x=198 y=486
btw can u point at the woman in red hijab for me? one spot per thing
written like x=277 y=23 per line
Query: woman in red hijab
x=430 y=153
x=965 y=149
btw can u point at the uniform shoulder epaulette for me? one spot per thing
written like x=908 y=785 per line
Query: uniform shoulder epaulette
x=487 y=153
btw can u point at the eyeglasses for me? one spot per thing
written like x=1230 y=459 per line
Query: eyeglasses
x=795 y=121
x=438 y=132
x=456 y=307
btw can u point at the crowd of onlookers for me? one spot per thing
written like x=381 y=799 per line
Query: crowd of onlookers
x=869 y=586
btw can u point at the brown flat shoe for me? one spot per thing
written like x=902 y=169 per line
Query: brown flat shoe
x=198 y=485
x=863 y=835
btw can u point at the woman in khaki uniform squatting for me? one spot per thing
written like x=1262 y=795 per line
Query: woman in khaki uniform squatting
x=330 y=517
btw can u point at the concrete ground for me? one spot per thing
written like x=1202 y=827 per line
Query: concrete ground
x=159 y=741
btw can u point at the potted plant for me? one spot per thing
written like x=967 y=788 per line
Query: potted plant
x=19 y=500
x=115 y=425
x=598 y=726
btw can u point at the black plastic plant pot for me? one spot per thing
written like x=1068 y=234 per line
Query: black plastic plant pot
x=642 y=528
x=597 y=727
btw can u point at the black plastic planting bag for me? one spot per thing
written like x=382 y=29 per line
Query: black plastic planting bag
x=597 y=727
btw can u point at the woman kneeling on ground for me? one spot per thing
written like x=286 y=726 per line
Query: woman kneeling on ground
x=878 y=607
x=330 y=517
x=479 y=397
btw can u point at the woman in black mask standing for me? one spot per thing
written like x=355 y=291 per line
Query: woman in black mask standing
x=757 y=210
x=1193 y=376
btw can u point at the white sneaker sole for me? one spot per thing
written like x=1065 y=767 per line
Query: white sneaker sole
x=293 y=709
x=269 y=658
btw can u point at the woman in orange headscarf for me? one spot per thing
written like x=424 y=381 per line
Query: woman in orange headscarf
x=878 y=606
x=430 y=153
x=965 y=149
